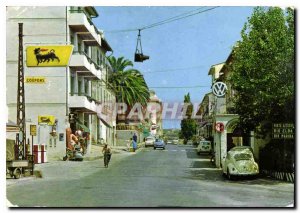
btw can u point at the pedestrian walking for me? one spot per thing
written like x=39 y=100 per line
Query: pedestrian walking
x=106 y=155
x=134 y=137
x=134 y=144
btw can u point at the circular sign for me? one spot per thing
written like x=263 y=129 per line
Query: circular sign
x=219 y=89
x=219 y=127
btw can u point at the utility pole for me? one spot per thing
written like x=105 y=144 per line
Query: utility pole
x=21 y=122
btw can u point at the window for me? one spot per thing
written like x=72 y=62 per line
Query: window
x=79 y=46
x=72 y=39
x=86 y=119
x=79 y=87
x=86 y=50
x=98 y=57
x=86 y=87
x=72 y=82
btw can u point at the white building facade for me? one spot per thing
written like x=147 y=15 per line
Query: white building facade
x=79 y=89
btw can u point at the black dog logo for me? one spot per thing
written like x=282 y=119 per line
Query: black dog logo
x=46 y=57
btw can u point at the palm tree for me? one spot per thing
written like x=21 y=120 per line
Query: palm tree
x=128 y=84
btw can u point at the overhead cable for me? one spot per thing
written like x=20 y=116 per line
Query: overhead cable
x=174 y=18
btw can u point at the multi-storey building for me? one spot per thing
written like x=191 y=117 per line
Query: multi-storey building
x=206 y=110
x=79 y=89
x=154 y=114
x=141 y=120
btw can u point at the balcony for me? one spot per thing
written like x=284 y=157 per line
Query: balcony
x=81 y=24
x=83 y=104
x=84 y=65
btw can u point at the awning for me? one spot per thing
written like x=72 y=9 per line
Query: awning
x=81 y=125
x=105 y=122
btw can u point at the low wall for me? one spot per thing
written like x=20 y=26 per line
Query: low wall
x=123 y=136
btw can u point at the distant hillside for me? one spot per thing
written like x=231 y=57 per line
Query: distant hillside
x=171 y=133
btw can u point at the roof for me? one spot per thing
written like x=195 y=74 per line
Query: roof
x=92 y=11
x=213 y=66
x=105 y=45
x=11 y=124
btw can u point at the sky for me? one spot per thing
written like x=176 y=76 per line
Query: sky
x=181 y=52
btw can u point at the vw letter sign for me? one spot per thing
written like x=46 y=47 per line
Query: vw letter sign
x=219 y=127
x=219 y=89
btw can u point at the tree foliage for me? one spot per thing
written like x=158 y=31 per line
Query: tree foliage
x=188 y=125
x=262 y=69
x=129 y=85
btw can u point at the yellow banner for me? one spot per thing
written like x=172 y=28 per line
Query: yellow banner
x=48 y=56
x=35 y=80
x=48 y=119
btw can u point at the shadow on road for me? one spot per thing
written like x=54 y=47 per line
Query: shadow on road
x=202 y=169
x=191 y=153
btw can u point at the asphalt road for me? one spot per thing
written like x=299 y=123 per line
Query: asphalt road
x=175 y=177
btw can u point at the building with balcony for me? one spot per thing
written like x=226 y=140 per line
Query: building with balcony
x=206 y=110
x=80 y=89
x=154 y=114
x=141 y=120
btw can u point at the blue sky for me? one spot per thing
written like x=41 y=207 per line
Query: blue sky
x=181 y=52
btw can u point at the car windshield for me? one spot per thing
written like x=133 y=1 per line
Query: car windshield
x=243 y=156
x=205 y=143
x=149 y=139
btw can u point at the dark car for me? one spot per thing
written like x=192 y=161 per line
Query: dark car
x=159 y=143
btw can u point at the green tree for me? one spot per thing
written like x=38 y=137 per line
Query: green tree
x=262 y=70
x=188 y=125
x=129 y=85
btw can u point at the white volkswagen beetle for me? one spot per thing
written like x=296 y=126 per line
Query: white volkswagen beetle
x=240 y=162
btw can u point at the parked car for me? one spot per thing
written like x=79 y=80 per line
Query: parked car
x=175 y=141
x=159 y=143
x=239 y=161
x=189 y=142
x=149 y=141
x=204 y=147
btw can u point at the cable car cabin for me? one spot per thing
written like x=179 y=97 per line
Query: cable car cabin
x=14 y=166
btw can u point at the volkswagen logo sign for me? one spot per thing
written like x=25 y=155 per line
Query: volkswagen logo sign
x=219 y=89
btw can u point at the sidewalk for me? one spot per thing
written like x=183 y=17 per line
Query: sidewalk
x=54 y=167
x=40 y=170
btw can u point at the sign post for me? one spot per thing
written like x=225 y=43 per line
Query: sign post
x=32 y=133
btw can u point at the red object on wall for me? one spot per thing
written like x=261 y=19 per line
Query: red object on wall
x=219 y=127
x=44 y=153
x=37 y=154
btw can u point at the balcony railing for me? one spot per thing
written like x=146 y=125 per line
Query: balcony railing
x=104 y=64
x=80 y=10
x=90 y=60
